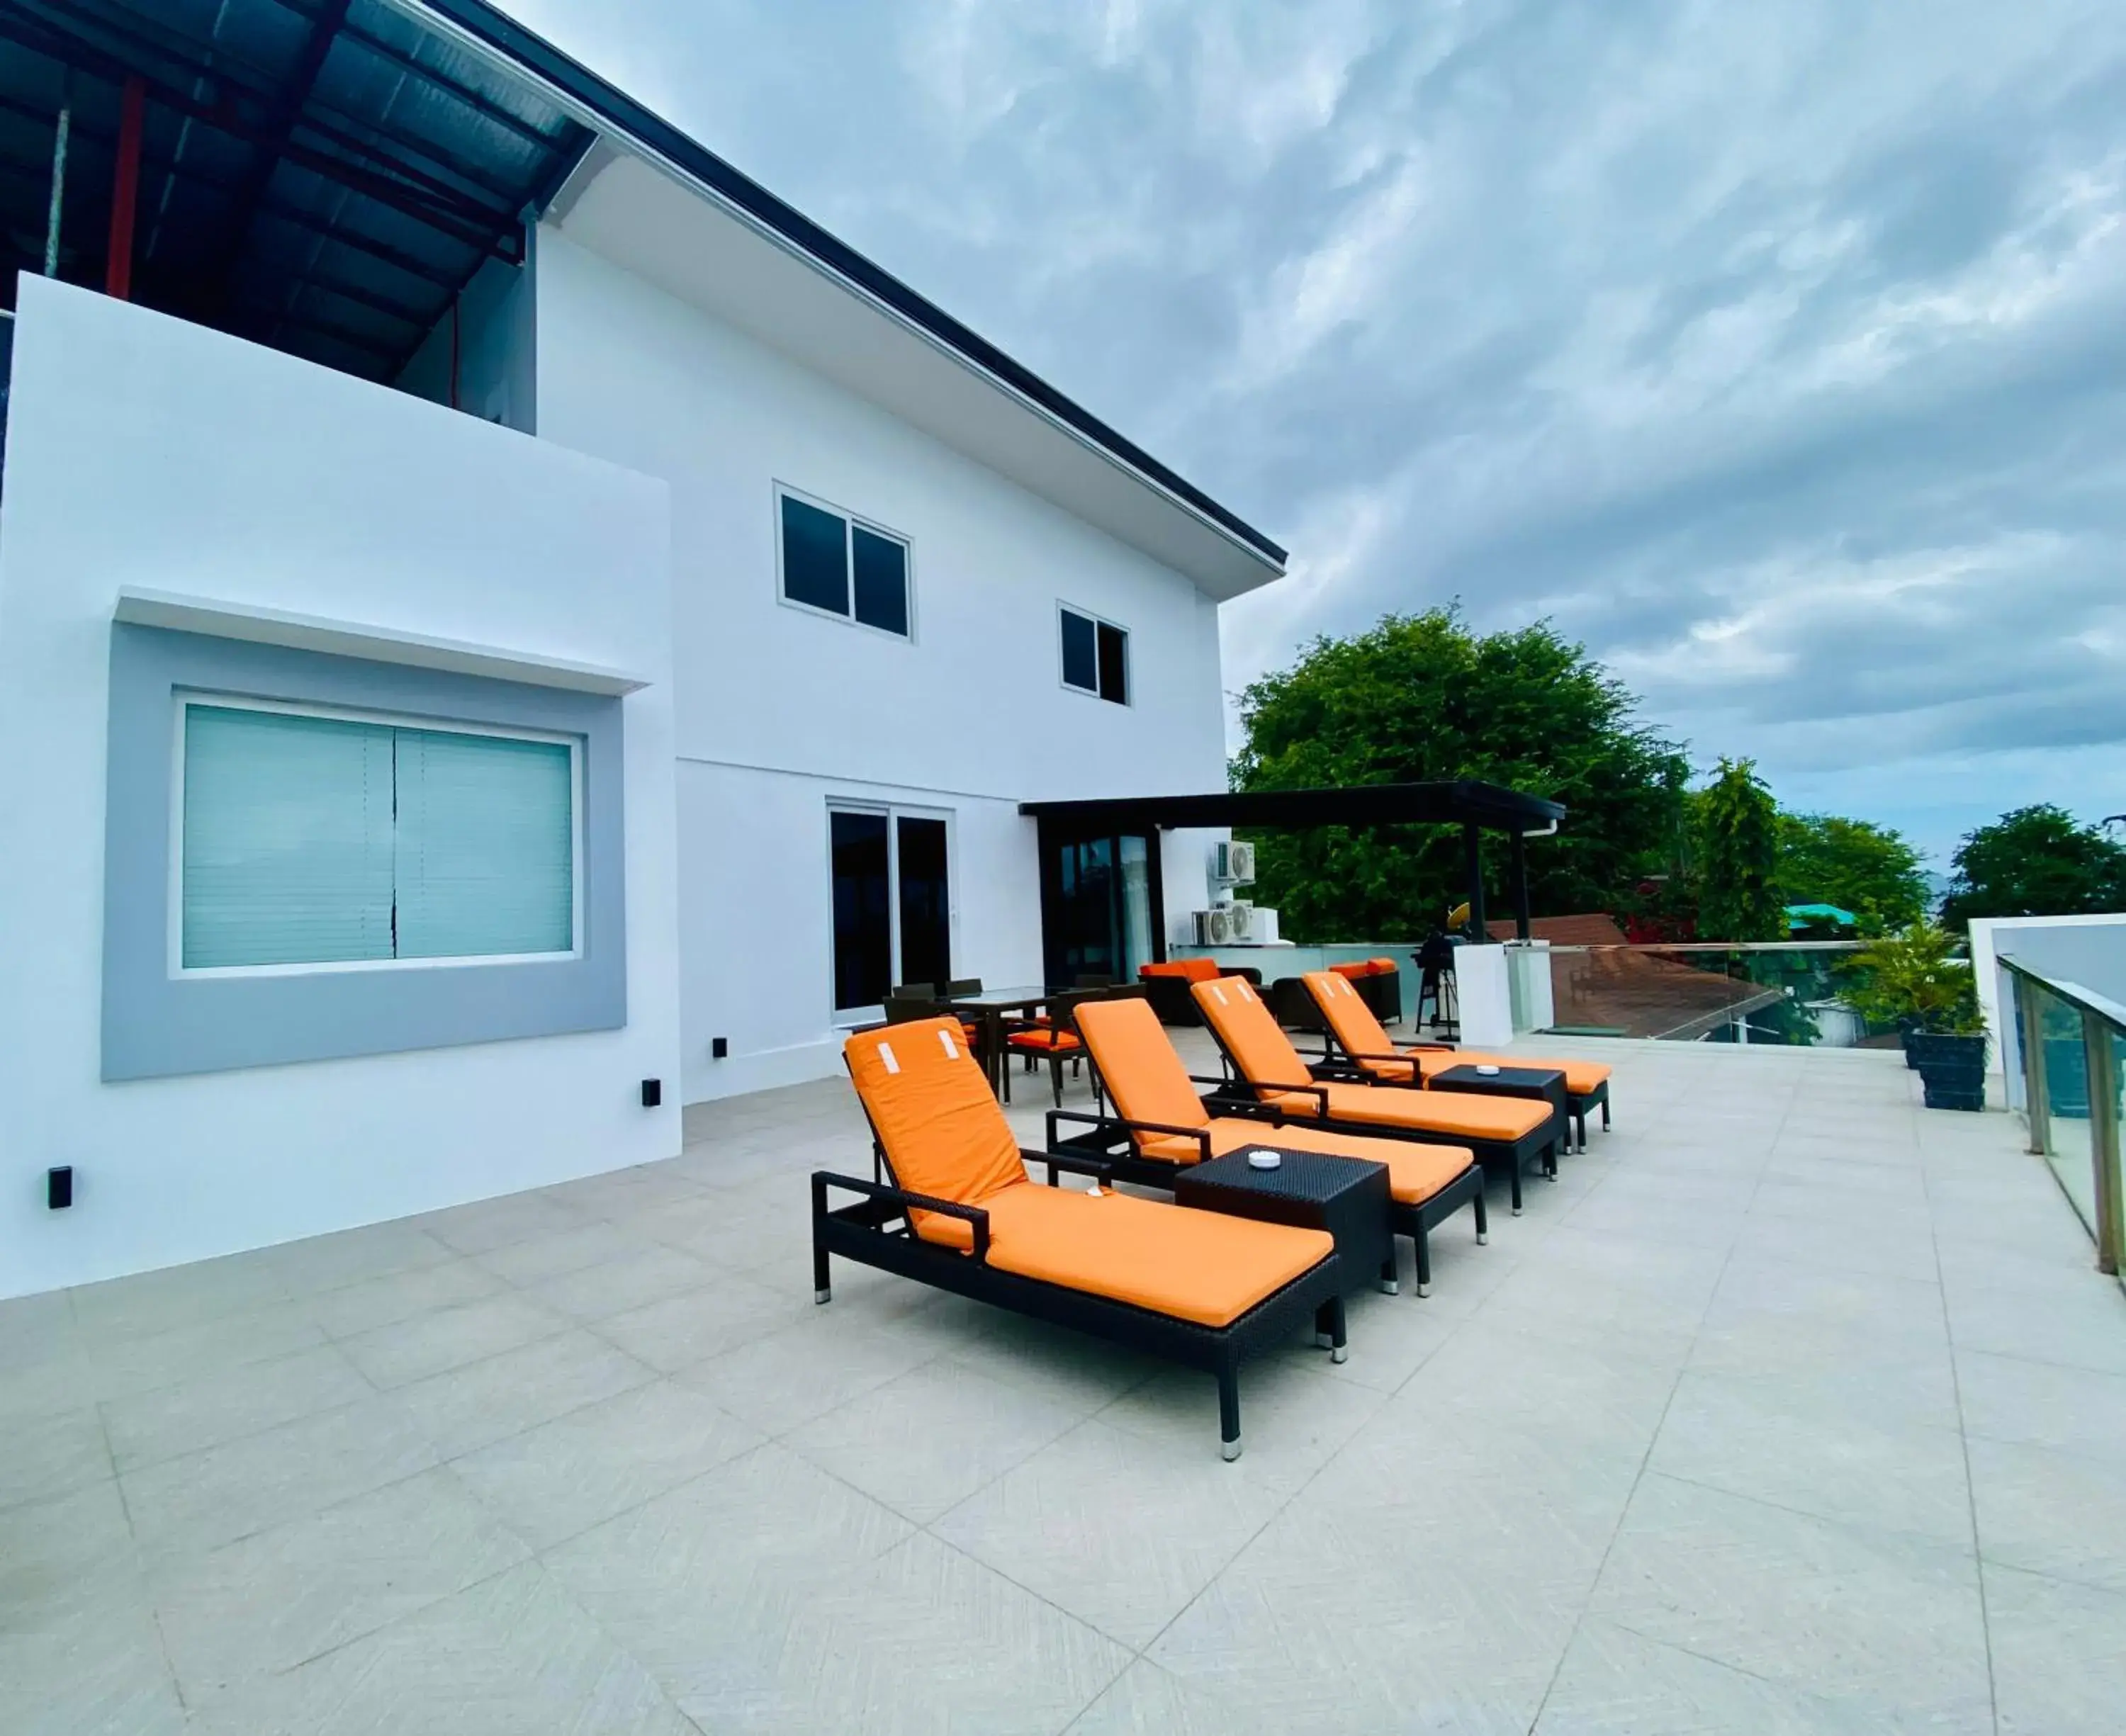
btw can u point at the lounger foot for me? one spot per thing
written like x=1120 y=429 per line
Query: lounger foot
x=1393 y=1287
x=1425 y=1289
x=1323 y=1340
x=1339 y=1353
x=822 y=1296
x=1516 y=1211
x=1229 y=1450
x=1483 y=1237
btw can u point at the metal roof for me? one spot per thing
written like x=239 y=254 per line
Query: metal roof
x=1462 y=801
x=324 y=176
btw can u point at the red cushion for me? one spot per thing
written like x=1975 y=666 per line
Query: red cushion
x=1060 y=1041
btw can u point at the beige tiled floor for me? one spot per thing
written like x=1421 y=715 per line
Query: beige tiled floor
x=1789 y=1407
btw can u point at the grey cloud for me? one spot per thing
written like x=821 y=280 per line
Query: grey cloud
x=1701 y=329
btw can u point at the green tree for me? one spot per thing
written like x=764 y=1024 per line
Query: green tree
x=1421 y=697
x=2035 y=861
x=1737 y=852
x=1869 y=869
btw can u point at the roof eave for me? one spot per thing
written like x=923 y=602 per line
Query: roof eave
x=610 y=111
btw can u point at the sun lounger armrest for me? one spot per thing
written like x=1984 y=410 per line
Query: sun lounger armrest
x=1201 y=1136
x=823 y=1179
x=1309 y=1089
x=1099 y=1168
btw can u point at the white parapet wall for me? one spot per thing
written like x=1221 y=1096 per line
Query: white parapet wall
x=1483 y=991
x=2089 y=950
x=147 y=455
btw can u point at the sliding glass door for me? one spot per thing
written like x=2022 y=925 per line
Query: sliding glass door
x=1100 y=907
x=892 y=902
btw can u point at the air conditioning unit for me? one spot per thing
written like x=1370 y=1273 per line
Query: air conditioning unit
x=1233 y=863
x=1243 y=917
x=1214 y=928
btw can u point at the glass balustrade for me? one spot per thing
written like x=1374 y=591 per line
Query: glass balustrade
x=2070 y=1057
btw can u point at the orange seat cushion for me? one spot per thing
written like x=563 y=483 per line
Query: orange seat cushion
x=1384 y=967
x=930 y=1105
x=1199 y=1265
x=1144 y=1074
x=1466 y=1115
x=1355 y=968
x=1062 y=1041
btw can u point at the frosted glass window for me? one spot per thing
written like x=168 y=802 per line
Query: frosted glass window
x=287 y=841
x=485 y=862
x=315 y=840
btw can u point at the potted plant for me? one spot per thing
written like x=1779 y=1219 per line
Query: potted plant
x=1911 y=980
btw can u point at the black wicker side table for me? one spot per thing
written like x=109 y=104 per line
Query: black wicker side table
x=1545 y=1084
x=1343 y=1196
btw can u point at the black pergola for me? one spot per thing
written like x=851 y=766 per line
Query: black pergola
x=1469 y=803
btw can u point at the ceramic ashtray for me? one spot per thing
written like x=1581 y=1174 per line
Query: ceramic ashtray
x=1486 y=1068
x=1263 y=1160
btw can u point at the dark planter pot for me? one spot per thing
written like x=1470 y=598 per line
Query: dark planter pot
x=1951 y=1068
x=1906 y=1032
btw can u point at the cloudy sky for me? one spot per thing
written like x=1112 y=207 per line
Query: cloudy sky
x=1777 y=351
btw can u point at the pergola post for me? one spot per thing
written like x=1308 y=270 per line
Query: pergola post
x=1472 y=863
x=1523 y=928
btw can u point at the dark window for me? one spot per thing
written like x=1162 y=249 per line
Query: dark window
x=881 y=588
x=1114 y=664
x=815 y=556
x=926 y=913
x=1095 y=656
x=863 y=916
x=1081 y=663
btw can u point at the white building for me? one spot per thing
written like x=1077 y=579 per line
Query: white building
x=402 y=802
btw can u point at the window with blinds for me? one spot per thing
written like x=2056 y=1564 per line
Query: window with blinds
x=314 y=840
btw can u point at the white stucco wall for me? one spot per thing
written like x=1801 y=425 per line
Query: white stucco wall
x=2088 y=949
x=144 y=451
x=779 y=709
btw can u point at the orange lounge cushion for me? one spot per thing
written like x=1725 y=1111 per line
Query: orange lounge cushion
x=1580 y=1077
x=1143 y=1073
x=1352 y=1023
x=1384 y=967
x=1248 y=1034
x=1458 y=1114
x=1199 y=1265
x=930 y=1106
x=1355 y=968
x=1188 y=970
x=1415 y=1172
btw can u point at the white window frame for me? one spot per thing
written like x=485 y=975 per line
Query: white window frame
x=185 y=699
x=851 y=522
x=1129 y=670
x=841 y=1018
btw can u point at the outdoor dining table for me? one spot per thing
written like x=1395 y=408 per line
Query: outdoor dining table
x=990 y=1007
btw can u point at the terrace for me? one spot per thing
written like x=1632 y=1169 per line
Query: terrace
x=1788 y=1406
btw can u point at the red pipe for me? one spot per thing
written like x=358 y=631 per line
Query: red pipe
x=125 y=190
